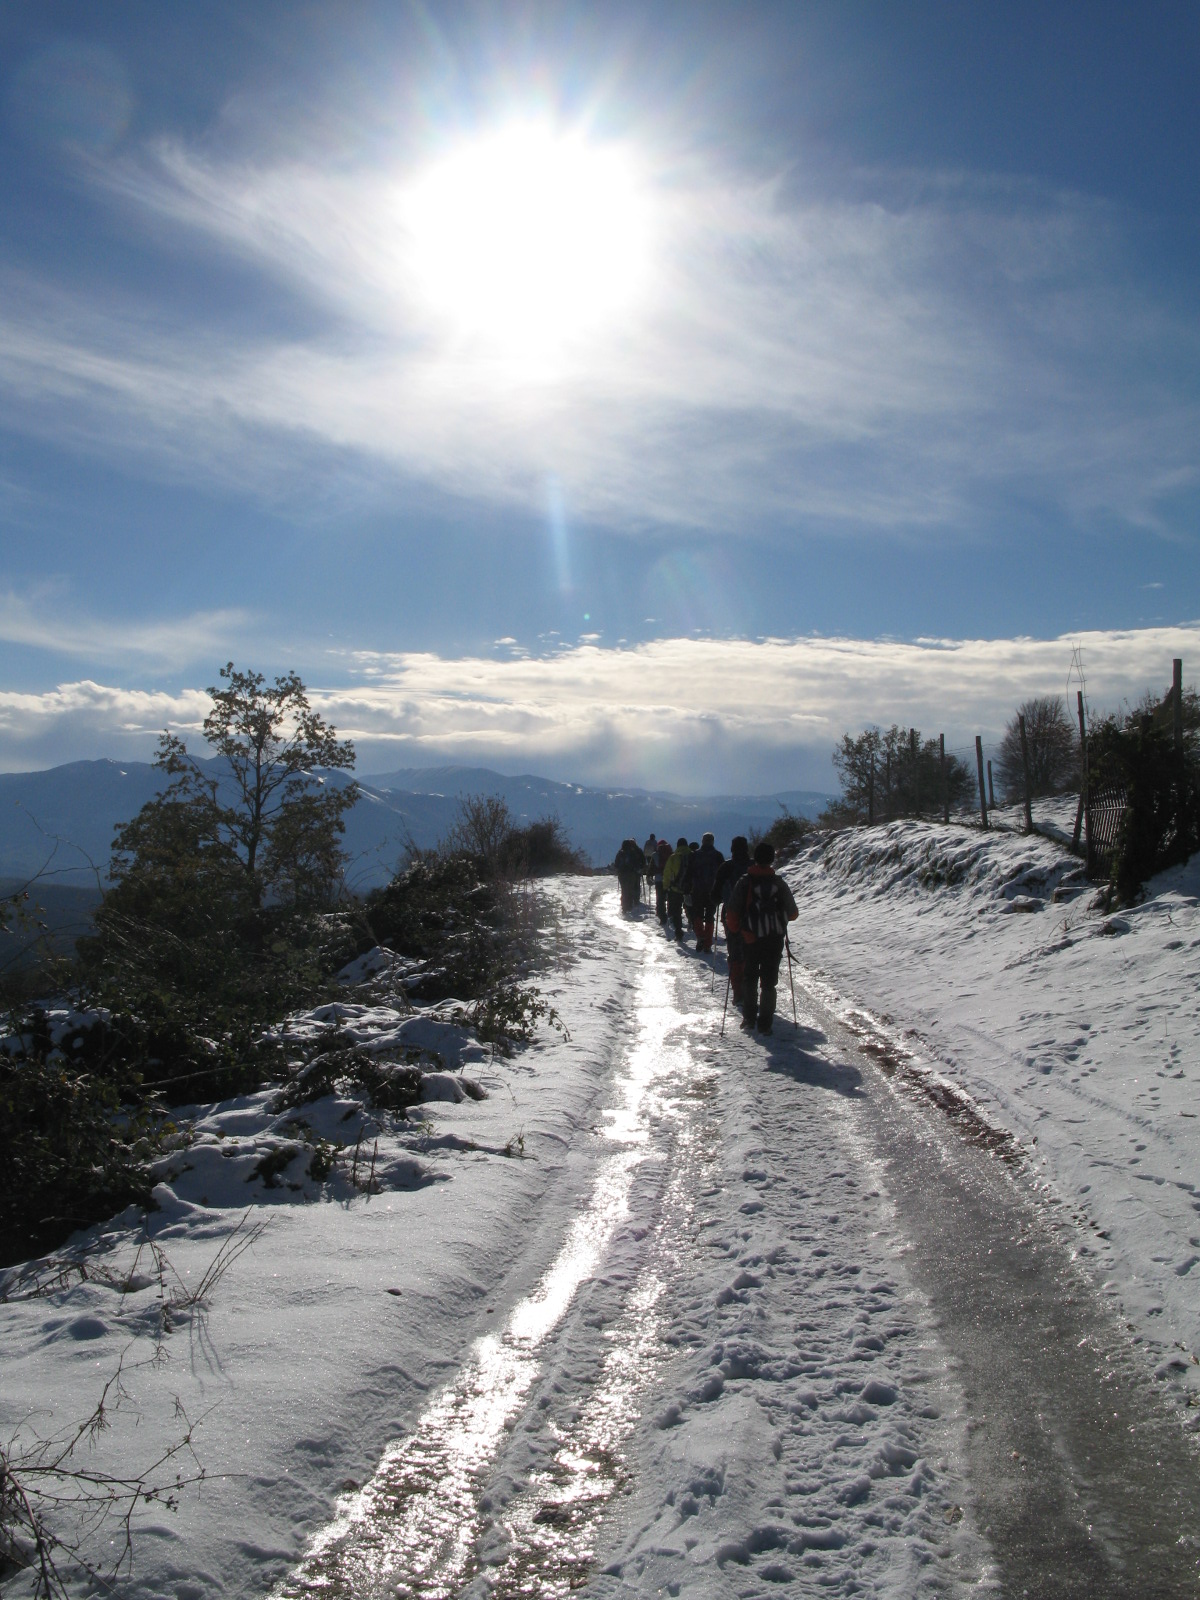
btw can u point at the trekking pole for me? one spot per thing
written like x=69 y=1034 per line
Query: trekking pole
x=725 y=1007
x=787 y=944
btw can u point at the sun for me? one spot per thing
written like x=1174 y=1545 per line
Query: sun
x=530 y=241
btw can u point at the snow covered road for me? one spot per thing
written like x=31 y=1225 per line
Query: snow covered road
x=724 y=1378
x=749 y=1315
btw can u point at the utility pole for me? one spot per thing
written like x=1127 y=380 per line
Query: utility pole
x=982 y=790
x=1083 y=772
x=942 y=765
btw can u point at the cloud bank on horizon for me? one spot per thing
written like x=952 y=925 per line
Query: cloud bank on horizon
x=695 y=715
x=696 y=355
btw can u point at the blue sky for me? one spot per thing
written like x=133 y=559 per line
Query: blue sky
x=517 y=373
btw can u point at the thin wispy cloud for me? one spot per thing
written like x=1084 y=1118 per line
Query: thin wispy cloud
x=49 y=619
x=892 y=363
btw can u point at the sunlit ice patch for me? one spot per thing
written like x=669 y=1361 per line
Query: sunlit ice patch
x=530 y=239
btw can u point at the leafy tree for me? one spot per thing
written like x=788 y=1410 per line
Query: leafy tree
x=1053 y=746
x=894 y=774
x=210 y=927
x=283 y=822
x=856 y=762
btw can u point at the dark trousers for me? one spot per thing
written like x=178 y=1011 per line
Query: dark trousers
x=660 y=901
x=762 y=972
x=736 y=953
x=675 y=911
x=631 y=891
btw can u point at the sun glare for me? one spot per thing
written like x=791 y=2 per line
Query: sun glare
x=529 y=241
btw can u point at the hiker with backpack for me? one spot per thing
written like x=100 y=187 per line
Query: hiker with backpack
x=759 y=910
x=730 y=874
x=673 y=887
x=662 y=856
x=706 y=863
x=629 y=866
x=685 y=884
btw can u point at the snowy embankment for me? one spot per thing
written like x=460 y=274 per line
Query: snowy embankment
x=986 y=960
x=369 y=1285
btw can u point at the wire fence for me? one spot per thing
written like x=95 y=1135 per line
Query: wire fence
x=977 y=782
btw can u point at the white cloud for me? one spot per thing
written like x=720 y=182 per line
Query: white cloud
x=876 y=364
x=687 y=714
x=87 y=721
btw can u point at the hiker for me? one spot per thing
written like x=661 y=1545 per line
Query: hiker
x=685 y=884
x=672 y=873
x=629 y=866
x=662 y=856
x=760 y=909
x=729 y=875
x=650 y=851
x=706 y=863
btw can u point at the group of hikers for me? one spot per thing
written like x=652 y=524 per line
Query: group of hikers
x=692 y=881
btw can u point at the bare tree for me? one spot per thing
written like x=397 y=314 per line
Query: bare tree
x=1053 y=750
x=484 y=826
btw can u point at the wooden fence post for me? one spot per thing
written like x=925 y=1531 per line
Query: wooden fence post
x=982 y=790
x=1177 y=701
x=991 y=791
x=1025 y=764
x=1083 y=783
x=871 y=792
x=945 y=790
x=912 y=746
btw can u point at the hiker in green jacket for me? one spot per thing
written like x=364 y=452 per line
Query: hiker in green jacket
x=673 y=885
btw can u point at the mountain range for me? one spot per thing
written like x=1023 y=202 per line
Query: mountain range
x=60 y=822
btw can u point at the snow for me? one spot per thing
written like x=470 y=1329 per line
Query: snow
x=635 y=1302
x=1072 y=1027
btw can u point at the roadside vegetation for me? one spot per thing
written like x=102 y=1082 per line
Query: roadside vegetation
x=1144 y=759
x=227 y=911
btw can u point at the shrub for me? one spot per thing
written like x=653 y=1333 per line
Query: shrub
x=69 y=1154
x=786 y=832
x=445 y=911
x=1161 y=825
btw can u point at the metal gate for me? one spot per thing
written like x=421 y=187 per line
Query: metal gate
x=1106 y=808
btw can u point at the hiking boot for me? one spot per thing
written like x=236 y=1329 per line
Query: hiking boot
x=767 y=1026
x=747 y=1024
